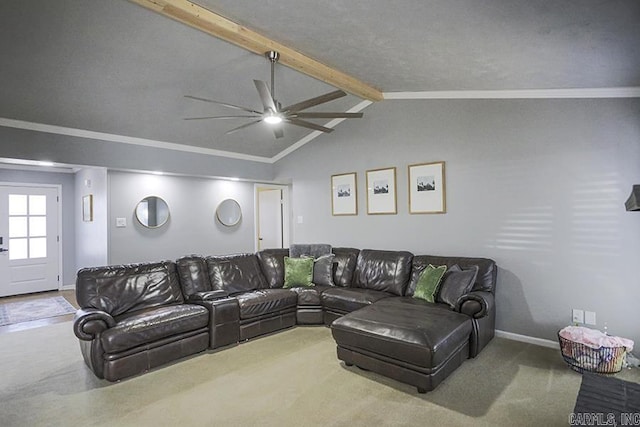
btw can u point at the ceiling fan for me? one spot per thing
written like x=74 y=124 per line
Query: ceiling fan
x=274 y=114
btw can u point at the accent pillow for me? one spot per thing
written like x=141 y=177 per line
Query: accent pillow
x=323 y=270
x=455 y=283
x=428 y=282
x=298 y=272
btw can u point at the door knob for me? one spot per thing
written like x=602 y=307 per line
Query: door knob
x=4 y=250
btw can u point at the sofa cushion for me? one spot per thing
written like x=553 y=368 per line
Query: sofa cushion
x=235 y=273
x=120 y=289
x=386 y=271
x=146 y=326
x=346 y=300
x=308 y=296
x=265 y=301
x=272 y=265
x=487 y=270
x=427 y=286
x=455 y=283
x=405 y=329
x=194 y=275
x=344 y=264
x=298 y=272
x=323 y=270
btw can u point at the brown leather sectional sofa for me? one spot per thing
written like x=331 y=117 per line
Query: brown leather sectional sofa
x=137 y=317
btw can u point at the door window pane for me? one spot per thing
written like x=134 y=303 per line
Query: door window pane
x=18 y=226
x=37 y=205
x=38 y=247
x=37 y=226
x=18 y=249
x=17 y=204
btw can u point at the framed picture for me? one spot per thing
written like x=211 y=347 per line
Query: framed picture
x=344 y=194
x=381 y=191
x=87 y=208
x=426 y=188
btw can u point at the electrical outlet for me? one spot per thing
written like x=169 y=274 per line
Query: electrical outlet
x=590 y=317
x=577 y=316
x=121 y=222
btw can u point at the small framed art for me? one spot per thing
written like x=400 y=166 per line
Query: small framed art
x=381 y=191
x=427 y=192
x=344 y=194
x=87 y=208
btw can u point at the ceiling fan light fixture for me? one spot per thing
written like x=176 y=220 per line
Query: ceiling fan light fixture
x=272 y=118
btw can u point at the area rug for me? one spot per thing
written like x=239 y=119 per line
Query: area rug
x=36 y=309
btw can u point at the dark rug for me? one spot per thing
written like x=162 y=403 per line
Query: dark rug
x=36 y=309
x=604 y=400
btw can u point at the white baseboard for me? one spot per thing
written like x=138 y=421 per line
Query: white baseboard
x=68 y=287
x=529 y=340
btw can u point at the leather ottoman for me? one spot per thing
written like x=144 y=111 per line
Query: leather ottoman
x=407 y=339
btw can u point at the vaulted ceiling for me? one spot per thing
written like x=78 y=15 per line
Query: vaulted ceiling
x=121 y=69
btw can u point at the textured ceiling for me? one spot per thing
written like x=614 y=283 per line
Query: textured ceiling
x=118 y=68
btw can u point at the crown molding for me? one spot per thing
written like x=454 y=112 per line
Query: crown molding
x=611 y=92
x=101 y=136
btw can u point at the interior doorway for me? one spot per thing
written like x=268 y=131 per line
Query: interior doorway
x=272 y=218
x=29 y=239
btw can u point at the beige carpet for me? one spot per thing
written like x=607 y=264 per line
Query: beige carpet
x=289 y=378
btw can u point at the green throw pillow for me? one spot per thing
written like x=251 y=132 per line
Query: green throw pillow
x=298 y=272
x=427 y=286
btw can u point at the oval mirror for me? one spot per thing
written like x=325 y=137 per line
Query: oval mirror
x=229 y=212
x=152 y=212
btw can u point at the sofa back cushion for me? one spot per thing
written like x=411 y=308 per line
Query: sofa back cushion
x=193 y=274
x=387 y=271
x=485 y=280
x=122 y=289
x=272 y=265
x=344 y=263
x=235 y=273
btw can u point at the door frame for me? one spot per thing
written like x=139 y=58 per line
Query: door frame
x=58 y=188
x=286 y=213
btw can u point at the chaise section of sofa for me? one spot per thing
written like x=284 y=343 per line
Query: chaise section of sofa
x=478 y=303
x=133 y=318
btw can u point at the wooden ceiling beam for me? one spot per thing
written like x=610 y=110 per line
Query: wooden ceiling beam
x=218 y=26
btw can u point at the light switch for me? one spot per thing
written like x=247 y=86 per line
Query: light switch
x=121 y=222
x=300 y=219
x=577 y=316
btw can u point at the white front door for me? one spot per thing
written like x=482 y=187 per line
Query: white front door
x=29 y=250
x=269 y=219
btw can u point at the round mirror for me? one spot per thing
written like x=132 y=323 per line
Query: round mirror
x=229 y=212
x=152 y=212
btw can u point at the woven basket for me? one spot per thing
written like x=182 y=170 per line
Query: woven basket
x=580 y=358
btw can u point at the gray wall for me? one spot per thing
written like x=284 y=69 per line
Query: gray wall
x=192 y=227
x=69 y=206
x=537 y=185
x=91 y=237
x=32 y=145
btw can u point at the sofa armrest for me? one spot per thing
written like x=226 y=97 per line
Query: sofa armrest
x=207 y=296
x=476 y=304
x=89 y=322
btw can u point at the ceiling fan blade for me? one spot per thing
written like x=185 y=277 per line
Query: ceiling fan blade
x=319 y=115
x=315 y=101
x=242 y=127
x=219 y=117
x=224 y=104
x=308 y=125
x=278 y=131
x=265 y=96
